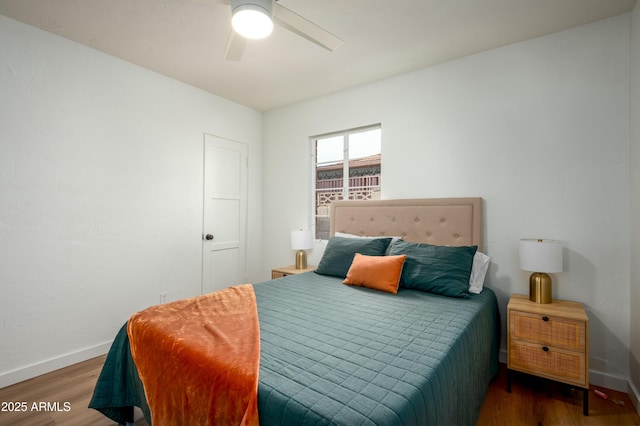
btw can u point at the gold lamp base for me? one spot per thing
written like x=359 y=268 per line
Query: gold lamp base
x=540 y=288
x=301 y=259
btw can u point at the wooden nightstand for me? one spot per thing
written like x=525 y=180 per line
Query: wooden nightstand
x=289 y=270
x=549 y=340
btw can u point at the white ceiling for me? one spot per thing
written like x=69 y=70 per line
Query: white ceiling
x=186 y=39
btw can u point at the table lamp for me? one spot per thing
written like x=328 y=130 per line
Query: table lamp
x=540 y=257
x=301 y=241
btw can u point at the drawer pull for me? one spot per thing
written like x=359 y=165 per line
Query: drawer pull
x=546 y=349
x=545 y=318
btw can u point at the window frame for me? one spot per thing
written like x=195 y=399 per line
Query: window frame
x=345 y=167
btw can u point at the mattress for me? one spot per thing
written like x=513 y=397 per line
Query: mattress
x=343 y=355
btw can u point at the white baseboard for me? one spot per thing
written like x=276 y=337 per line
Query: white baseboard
x=30 y=371
x=609 y=381
x=634 y=395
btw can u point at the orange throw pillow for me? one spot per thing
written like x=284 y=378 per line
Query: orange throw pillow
x=376 y=272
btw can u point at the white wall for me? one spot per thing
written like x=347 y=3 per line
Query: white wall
x=100 y=195
x=539 y=129
x=635 y=205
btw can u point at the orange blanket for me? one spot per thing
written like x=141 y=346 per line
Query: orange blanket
x=199 y=358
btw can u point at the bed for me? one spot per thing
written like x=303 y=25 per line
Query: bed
x=361 y=354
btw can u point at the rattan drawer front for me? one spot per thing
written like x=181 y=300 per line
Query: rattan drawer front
x=554 y=331
x=554 y=363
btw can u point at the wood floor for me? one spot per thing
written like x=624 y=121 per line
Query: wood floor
x=532 y=402
x=539 y=402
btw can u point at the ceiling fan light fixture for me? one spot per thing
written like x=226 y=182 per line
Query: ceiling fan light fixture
x=252 y=19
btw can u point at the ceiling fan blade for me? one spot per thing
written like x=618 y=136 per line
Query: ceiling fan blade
x=235 y=47
x=305 y=28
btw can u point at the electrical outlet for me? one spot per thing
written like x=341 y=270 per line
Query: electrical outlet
x=163 y=297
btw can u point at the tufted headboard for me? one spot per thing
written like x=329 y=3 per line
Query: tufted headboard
x=440 y=221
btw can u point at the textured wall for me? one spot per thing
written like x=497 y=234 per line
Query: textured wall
x=101 y=195
x=635 y=204
x=539 y=129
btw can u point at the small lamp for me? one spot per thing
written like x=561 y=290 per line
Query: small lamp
x=301 y=241
x=540 y=257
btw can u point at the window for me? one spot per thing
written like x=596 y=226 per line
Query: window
x=346 y=166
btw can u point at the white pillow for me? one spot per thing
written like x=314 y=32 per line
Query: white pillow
x=478 y=272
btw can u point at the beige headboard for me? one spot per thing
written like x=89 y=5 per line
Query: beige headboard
x=440 y=221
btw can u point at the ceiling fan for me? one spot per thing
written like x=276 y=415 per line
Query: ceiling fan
x=260 y=16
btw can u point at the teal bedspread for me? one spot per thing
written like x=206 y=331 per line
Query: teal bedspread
x=119 y=387
x=341 y=355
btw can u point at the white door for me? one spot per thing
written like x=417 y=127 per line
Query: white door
x=225 y=213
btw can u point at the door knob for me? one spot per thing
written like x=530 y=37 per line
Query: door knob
x=209 y=237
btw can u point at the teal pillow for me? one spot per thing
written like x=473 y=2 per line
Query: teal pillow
x=339 y=253
x=441 y=270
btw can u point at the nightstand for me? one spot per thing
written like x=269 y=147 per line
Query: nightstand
x=289 y=270
x=549 y=340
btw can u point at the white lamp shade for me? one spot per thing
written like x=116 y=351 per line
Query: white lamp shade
x=541 y=255
x=252 y=18
x=301 y=240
